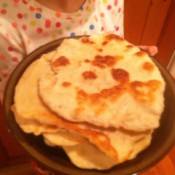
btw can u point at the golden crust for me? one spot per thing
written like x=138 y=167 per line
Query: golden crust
x=124 y=93
x=28 y=114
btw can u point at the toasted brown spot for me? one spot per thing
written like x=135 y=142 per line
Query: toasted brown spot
x=105 y=43
x=114 y=91
x=89 y=75
x=86 y=40
x=87 y=61
x=103 y=61
x=129 y=46
x=66 y=84
x=148 y=66
x=114 y=37
x=120 y=75
x=61 y=61
x=144 y=91
x=118 y=57
x=82 y=95
x=100 y=50
x=140 y=53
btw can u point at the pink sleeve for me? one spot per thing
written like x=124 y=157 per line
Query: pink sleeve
x=118 y=16
x=11 y=52
x=115 y=13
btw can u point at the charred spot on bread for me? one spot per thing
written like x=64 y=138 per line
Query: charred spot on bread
x=141 y=53
x=86 y=40
x=61 y=61
x=100 y=50
x=66 y=84
x=144 y=91
x=89 y=75
x=104 y=61
x=149 y=67
x=120 y=75
x=114 y=37
x=129 y=46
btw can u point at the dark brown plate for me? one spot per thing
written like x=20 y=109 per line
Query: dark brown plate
x=55 y=160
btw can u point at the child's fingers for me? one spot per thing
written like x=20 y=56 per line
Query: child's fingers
x=152 y=50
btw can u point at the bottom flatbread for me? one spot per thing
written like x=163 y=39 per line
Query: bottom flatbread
x=81 y=152
x=86 y=155
x=34 y=117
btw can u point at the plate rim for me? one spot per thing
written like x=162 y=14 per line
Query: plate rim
x=50 y=166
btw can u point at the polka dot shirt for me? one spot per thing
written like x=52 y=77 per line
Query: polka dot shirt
x=25 y=25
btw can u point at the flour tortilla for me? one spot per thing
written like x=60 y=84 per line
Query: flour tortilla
x=35 y=116
x=63 y=138
x=29 y=111
x=105 y=81
x=86 y=155
x=81 y=152
x=128 y=144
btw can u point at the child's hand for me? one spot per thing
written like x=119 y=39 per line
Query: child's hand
x=152 y=50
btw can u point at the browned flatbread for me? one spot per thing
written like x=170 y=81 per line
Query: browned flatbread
x=127 y=100
x=29 y=110
x=105 y=81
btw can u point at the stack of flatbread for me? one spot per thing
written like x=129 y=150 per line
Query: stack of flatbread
x=99 y=98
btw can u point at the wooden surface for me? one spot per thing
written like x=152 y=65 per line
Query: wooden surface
x=165 y=167
x=151 y=22
x=166 y=41
x=145 y=19
x=20 y=169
